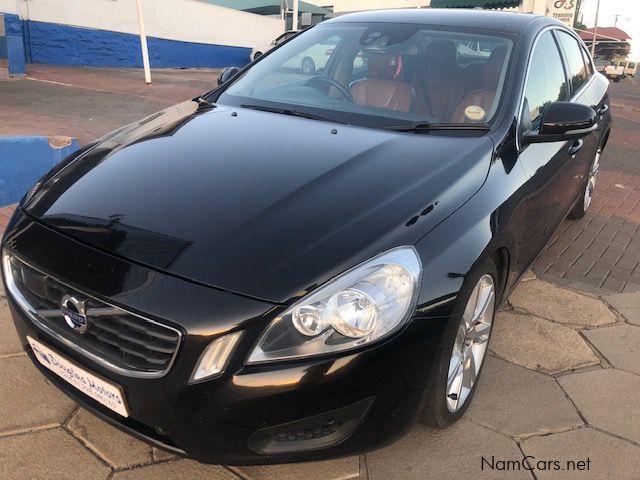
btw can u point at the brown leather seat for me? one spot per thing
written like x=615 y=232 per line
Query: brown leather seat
x=483 y=97
x=438 y=81
x=382 y=88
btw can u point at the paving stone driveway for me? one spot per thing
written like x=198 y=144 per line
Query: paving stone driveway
x=561 y=385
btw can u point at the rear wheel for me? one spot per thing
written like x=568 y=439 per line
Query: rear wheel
x=580 y=208
x=458 y=364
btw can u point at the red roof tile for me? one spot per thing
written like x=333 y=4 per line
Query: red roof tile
x=605 y=33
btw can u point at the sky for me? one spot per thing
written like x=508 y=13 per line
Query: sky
x=629 y=19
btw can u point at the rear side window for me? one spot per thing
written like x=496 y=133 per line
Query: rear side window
x=575 y=61
x=546 y=82
x=587 y=61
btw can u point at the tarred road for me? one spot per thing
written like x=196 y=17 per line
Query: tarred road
x=86 y=103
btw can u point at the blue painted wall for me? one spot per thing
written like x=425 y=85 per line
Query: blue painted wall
x=14 y=44
x=3 y=47
x=57 y=44
x=23 y=160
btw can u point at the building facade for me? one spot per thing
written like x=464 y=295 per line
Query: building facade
x=181 y=33
x=564 y=10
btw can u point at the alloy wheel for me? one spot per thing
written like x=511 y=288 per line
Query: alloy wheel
x=470 y=346
x=591 y=183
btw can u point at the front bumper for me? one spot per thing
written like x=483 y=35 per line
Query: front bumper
x=281 y=412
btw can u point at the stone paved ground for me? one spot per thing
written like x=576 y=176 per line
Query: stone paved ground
x=561 y=383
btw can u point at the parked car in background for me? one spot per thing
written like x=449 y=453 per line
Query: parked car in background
x=296 y=267
x=314 y=58
x=256 y=52
x=311 y=60
x=610 y=69
x=630 y=67
x=474 y=48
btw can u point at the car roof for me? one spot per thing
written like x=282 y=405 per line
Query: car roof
x=482 y=19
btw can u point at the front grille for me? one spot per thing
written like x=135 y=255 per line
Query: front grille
x=120 y=340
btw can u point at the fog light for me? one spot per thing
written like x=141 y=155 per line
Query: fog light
x=214 y=359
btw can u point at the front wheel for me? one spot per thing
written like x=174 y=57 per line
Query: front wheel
x=458 y=363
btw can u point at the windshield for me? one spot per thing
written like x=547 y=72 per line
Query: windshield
x=380 y=74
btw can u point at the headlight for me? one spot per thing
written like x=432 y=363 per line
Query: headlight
x=358 y=307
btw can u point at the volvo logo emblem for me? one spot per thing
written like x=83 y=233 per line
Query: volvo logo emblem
x=74 y=312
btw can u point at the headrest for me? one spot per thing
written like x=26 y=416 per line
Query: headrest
x=441 y=53
x=383 y=65
x=493 y=68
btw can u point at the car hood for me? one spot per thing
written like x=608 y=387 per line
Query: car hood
x=261 y=204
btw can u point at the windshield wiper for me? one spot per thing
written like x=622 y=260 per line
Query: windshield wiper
x=425 y=127
x=204 y=103
x=289 y=111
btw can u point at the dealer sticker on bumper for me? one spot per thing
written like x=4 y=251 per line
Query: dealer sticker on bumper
x=106 y=393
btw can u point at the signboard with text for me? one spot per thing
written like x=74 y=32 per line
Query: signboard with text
x=563 y=10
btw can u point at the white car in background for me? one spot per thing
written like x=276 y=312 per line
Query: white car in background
x=610 y=69
x=314 y=58
x=630 y=67
x=311 y=60
x=261 y=50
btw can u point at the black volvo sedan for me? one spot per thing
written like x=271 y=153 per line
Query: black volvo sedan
x=299 y=266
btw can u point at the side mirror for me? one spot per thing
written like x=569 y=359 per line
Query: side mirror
x=563 y=121
x=227 y=74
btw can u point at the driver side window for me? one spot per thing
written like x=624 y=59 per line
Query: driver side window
x=546 y=81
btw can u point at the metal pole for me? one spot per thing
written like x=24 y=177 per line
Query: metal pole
x=595 y=29
x=294 y=23
x=143 y=44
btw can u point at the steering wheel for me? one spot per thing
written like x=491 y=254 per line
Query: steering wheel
x=334 y=83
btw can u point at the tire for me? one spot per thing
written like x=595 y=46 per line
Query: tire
x=308 y=66
x=257 y=55
x=585 y=197
x=440 y=408
x=616 y=80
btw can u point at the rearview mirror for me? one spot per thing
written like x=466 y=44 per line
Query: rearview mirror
x=227 y=74
x=563 y=121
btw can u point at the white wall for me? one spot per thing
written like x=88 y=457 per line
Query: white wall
x=9 y=6
x=528 y=6
x=359 y=5
x=534 y=6
x=185 y=20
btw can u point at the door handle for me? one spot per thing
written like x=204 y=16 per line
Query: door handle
x=575 y=147
x=603 y=109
